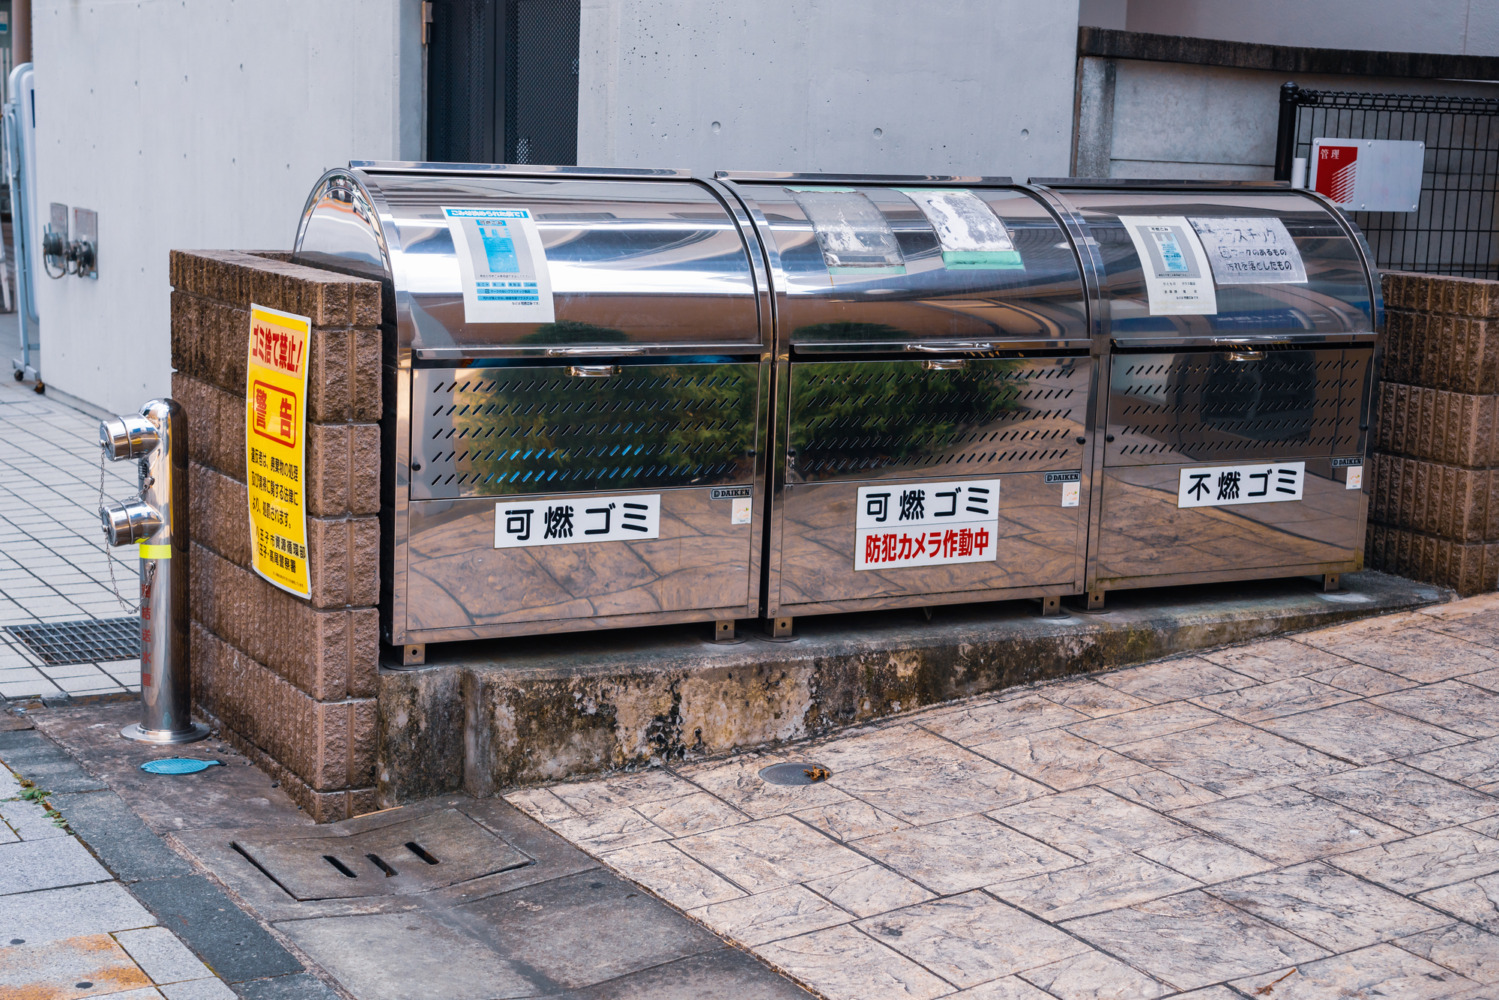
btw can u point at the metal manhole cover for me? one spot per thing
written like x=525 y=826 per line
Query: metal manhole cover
x=795 y=773
x=409 y=856
x=93 y=640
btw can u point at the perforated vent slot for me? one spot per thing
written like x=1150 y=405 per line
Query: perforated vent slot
x=534 y=430
x=858 y=419
x=1212 y=406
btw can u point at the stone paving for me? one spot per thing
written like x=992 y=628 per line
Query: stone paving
x=1300 y=818
x=54 y=566
x=68 y=928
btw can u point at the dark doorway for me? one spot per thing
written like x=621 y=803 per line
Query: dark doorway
x=502 y=82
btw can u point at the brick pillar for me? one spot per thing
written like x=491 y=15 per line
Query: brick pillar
x=291 y=682
x=1434 y=512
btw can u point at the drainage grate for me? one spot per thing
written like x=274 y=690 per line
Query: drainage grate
x=94 y=640
x=405 y=857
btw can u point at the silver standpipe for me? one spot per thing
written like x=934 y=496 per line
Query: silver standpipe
x=157 y=519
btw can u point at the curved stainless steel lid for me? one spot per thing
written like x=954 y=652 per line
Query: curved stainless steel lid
x=1228 y=263
x=915 y=263
x=491 y=261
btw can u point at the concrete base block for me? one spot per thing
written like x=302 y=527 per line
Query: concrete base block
x=486 y=716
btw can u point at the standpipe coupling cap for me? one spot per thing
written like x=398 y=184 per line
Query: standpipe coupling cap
x=130 y=436
x=127 y=523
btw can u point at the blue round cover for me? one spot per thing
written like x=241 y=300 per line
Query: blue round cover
x=178 y=765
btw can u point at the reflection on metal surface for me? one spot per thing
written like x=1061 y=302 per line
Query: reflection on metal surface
x=882 y=419
x=457 y=579
x=1145 y=534
x=933 y=299
x=497 y=431
x=635 y=260
x=1210 y=406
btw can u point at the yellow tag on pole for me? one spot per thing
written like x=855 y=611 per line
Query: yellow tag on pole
x=276 y=446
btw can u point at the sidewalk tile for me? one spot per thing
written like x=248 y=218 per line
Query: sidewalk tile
x=85 y=909
x=1094 y=976
x=769 y=916
x=971 y=938
x=1472 y=764
x=1380 y=971
x=1362 y=732
x=770 y=853
x=672 y=875
x=1059 y=759
x=1403 y=796
x=1174 y=680
x=164 y=958
x=1425 y=862
x=1452 y=705
x=1275 y=659
x=1230 y=758
x=1328 y=907
x=1289 y=826
x=1192 y=940
x=1464 y=949
x=843 y=964
x=1122 y=880
x=962 y=854
x=29 y=865
x=865 y=892
x=1090 y=823
x=936 y=785
x=1207 y=859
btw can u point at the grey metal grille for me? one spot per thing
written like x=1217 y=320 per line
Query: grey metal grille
x=860 y=419
x=88 y=641
x=491 y=432
x=1209 y=406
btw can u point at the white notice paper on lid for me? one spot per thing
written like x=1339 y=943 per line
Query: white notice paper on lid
x=1250 y=251
x=502 y=264
x=1177 y=279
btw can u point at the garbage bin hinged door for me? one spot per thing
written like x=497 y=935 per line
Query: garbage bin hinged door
x=521 y=430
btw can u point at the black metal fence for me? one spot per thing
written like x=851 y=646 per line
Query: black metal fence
x=1453 y=230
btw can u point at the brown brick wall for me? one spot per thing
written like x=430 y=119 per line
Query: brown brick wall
x=1434 y=511
x=290 y=681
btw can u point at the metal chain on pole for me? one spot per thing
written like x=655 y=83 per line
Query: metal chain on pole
x=109 y=558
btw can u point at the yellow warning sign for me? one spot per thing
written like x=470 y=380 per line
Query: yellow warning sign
x=276 y=446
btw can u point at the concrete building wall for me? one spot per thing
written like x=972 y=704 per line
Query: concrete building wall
x=198 y=125
x=1184 y=122
x=1462 y=27
x=965 y=86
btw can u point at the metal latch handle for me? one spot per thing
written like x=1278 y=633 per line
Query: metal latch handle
x=582 y=352
x=1246 y=355
x=944 y=364
x=945 y=348
x=592 y=371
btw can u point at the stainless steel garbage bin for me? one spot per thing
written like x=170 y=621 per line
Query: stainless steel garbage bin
x=1240 y=327
x=934 y=388
x=578 y=385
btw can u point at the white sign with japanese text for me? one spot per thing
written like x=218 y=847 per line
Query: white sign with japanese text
x=521 y=524
x=926 y=524
x=1230 y=485
x=1250 y=251
x=1177 y=279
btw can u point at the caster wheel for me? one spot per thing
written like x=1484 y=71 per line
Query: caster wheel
x=39 y=388
x=18 y=375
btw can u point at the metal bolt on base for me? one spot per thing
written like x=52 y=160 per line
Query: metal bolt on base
x=157 y=520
